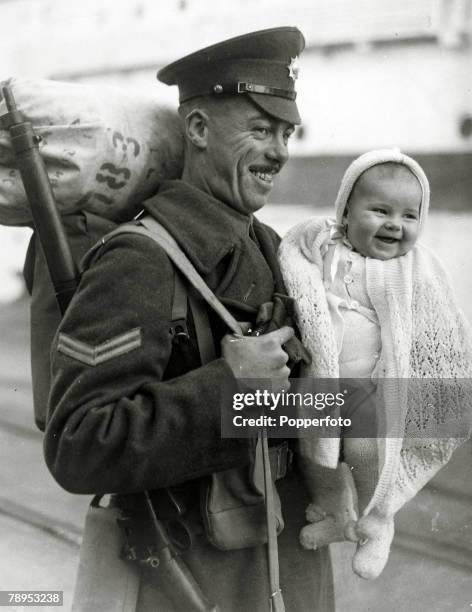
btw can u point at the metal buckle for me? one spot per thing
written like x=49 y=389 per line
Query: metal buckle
x=244 y=87
x=280 y=460
x=179 y=331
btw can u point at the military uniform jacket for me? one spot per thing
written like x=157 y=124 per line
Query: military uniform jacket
x=130 y=411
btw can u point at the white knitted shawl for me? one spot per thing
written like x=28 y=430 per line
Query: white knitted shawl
x=424 y=335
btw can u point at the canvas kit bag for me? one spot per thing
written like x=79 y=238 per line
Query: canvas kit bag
x=106 y=150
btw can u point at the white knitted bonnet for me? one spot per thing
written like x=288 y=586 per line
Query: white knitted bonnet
x=373 y=158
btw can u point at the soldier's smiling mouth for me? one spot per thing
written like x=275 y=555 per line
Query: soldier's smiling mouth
x=264 y=173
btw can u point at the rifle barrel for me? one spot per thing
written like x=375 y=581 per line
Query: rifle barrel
x=9 y=98
x=46 y=218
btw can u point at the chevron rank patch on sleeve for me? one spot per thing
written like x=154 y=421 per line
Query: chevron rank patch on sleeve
x=94 y=355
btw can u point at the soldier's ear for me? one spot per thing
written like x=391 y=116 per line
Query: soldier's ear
x=196 y=128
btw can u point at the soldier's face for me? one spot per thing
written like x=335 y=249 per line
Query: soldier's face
x=246 y=150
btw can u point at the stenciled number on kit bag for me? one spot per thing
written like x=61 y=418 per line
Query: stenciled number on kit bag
x=111 y=181
x=125 y=142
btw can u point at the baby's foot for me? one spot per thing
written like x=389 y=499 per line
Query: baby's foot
x=322 y=533
x=314 y=513
x=375 y=535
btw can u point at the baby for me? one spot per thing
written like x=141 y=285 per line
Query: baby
x=374 y=305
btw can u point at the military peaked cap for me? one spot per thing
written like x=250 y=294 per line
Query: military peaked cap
x=262 y=65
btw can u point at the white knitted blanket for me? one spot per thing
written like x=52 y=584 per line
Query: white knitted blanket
x=424 y=335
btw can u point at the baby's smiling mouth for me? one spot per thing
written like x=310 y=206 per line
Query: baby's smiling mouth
x=388 y=239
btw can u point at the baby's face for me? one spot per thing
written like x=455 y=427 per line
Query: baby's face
x=383 y=212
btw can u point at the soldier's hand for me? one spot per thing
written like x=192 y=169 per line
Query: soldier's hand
x=260 y=357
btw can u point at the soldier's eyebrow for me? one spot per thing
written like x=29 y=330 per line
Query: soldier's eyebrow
x=258 y=115
x=272 y=121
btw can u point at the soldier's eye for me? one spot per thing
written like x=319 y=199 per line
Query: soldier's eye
x=287 y=135
x=262 y=130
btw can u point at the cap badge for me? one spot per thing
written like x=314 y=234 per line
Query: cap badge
x=293 y=68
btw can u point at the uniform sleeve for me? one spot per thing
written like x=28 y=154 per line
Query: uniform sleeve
x=114 y=425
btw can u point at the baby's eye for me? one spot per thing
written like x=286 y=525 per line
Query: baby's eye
x=411 y=216
x=380 y=210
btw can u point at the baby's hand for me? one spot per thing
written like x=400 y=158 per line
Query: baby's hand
x=326 y=528
x=322 y=533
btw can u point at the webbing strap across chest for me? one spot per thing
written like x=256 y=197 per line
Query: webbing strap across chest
x=181 y=261
x=151 y=228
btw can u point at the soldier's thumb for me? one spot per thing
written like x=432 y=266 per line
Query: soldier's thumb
x=283 y=334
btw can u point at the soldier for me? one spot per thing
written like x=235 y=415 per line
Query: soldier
x=145 y=413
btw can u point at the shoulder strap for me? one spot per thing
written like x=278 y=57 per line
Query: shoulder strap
x=151 y=228
x=181 y=261
x=178 y=317
x=205 y=342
